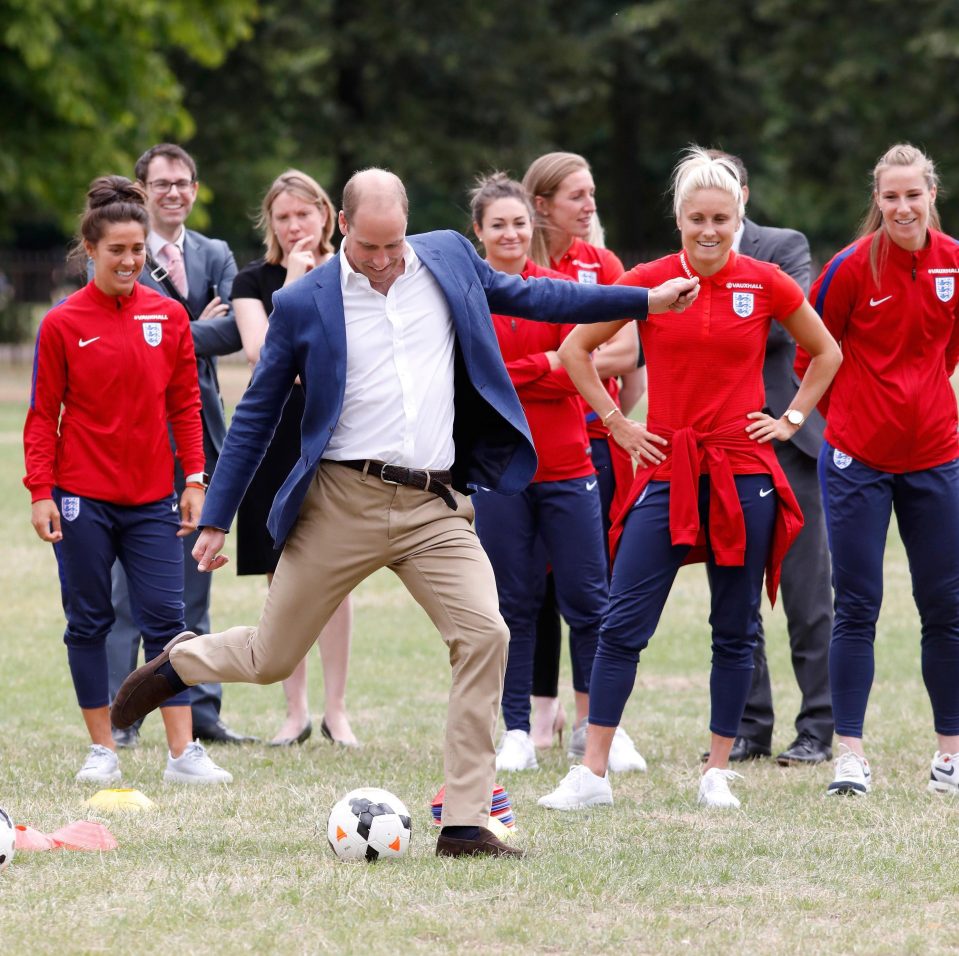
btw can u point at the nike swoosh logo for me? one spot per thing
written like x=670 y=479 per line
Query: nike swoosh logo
x=948 y=772
x=590 y=485
x=762 y=494
x=85 y=342
x=875 y=302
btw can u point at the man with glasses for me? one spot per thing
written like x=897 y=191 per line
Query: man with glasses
x=198 y=272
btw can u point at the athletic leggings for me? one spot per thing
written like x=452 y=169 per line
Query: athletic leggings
x=143 y=537
x=643 y=574
x=563 y=518
x=858 y=501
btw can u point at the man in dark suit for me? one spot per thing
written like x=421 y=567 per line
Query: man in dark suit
x=200 y=274
x=806 y=583
x=408 y=408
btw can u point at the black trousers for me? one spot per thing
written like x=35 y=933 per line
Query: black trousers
x=806 y=593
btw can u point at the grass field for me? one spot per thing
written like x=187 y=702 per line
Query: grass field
x=246 y=868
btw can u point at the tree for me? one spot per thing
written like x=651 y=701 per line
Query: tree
x=87 y=84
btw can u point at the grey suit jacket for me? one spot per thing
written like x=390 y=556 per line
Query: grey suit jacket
x=210 y=270
x=788 y=249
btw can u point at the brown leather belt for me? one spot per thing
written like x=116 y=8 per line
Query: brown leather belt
x=435 y=482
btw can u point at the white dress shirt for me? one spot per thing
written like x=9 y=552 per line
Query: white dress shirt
x=398 y=405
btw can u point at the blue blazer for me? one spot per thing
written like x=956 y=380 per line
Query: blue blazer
x=307 y=338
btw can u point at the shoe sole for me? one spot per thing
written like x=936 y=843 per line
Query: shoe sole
x=800 y=762
x=100 y=778
x=174 y=776
x=936 y=786
x=847 y=789
x=705 y=804
x=583 y=805
x=631 y=768
x=534 y=766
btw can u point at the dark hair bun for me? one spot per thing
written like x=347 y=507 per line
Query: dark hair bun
x=106 y=190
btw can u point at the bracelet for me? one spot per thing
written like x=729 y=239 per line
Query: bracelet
x=195 y=484
x=611 y=413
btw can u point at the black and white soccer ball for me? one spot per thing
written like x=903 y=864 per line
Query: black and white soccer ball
x=369 y=824
x=8 y=839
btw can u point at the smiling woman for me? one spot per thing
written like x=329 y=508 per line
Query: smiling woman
x=708 y=486
x=114 y=369
x=890 y=299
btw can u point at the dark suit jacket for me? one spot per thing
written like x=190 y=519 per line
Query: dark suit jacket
x=307 y=337
x=790 y=251
x=209 y=266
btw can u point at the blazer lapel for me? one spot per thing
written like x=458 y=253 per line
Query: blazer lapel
x=328 y=298
x=750 y=240
x=199 y=294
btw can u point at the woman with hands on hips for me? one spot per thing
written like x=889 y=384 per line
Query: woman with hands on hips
x=708 y=486
x=114 y=366
x=297 y=220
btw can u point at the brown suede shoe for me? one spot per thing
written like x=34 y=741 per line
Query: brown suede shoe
x=486 y=844
x=144 y=690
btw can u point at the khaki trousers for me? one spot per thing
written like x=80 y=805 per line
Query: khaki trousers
x=351 y=525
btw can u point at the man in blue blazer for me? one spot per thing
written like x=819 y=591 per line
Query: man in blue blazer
x=408 y=408
x=168 y=174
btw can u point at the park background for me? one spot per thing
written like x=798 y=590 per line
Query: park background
x=809 y=94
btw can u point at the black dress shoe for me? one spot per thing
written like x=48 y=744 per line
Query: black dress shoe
x=300 y=738
x=743 y=750
x=126 y=739
x=805 y=749
x=486 y=844
x=219 y=733
x=325 y=730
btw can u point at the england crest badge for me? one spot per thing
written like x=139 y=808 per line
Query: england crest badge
x=840 y=459
x=153 y=333
x=70 y=508
x=743 y=304
x=945 y=287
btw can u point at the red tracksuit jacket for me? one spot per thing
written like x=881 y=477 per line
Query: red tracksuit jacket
x=891 y=405
x=108 y=374
x=550 y=400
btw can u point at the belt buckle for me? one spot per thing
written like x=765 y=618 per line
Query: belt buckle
x=384 y=479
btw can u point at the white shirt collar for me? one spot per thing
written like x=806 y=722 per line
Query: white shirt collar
x=155 y=242
x=348 y=274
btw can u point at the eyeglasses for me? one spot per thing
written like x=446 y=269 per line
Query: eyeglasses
x=164 y=185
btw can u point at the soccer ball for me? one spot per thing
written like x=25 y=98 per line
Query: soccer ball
x=369 y=824
x=8 y=839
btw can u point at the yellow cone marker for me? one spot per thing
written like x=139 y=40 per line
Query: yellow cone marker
x=498 y=829
x=119 y=801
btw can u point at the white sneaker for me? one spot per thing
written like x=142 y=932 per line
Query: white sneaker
x=577 y=740
x=101 y=766
x=714 y=789
x=516 y=752
x=623 y=755
x=194 y=766
x=579 y=789
x=852 y=774
x=942 y=776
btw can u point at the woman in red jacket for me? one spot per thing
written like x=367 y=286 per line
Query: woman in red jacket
x=556 y=520
x=890 y=300
x=114 y=365
x=709 y=485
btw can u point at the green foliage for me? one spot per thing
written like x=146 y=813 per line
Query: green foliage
x=87 y=84
x=808 y=92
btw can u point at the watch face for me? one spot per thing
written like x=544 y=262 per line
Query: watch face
x=795 y=417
